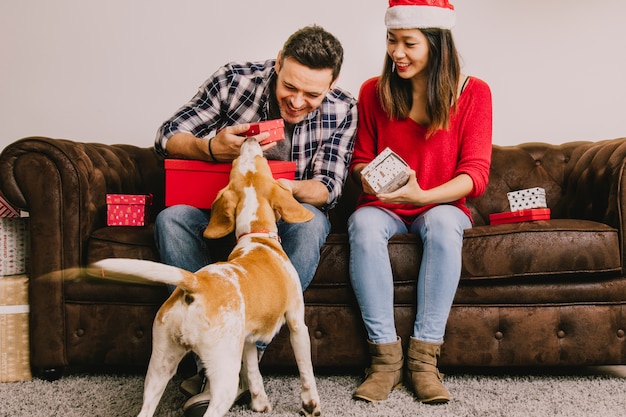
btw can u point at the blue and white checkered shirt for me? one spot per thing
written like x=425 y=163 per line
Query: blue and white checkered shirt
x=238 y=93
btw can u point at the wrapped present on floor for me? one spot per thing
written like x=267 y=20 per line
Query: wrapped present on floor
x=529 y=198
x=127 y=209
x=14 y=245
x=386 y=173
x=14 y=330
x=196 y=183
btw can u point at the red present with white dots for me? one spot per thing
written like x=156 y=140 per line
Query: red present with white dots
x=127 y=209
x=276 y=129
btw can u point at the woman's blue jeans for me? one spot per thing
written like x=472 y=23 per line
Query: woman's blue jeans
x=441 y=231
x=178 y=235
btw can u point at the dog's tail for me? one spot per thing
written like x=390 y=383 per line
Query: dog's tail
x=140 y=271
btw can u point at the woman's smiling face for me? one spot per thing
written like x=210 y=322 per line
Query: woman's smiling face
x=408 y=48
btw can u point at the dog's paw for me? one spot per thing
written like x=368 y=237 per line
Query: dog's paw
x=311 y=408
x=260 y=403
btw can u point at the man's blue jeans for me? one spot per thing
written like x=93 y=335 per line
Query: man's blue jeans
x=441 y=230
x=178 y=236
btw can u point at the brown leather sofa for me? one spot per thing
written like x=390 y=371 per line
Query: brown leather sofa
x=536 y=293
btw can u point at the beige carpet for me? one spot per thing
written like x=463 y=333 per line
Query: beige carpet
x=582 y=392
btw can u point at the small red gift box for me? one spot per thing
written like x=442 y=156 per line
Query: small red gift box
x=527 y=215
x=127 y=209
x=196 y=183
x=276 y=129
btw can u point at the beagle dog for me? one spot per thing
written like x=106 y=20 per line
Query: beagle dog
x=221 y=310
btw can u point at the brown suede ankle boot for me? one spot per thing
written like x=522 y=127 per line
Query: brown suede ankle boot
x=422 y=375
x=384 y=374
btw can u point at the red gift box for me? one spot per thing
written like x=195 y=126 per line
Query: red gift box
x=276 y=129
x=196 y=183
x=527 y=215
x=127 y=209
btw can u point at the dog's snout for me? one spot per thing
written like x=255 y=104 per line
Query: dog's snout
x=251 y=147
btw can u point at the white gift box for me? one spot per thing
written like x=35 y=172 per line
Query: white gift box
x=386 y=172
x=14 y=246
x=528 y=198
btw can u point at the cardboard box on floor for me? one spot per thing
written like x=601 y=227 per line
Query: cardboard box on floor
x=14 y=329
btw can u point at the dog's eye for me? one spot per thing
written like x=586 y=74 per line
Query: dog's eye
x=189 y=299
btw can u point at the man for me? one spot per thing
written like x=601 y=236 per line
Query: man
x=320 y=124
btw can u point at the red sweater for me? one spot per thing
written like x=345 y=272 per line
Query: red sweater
x=465 y=148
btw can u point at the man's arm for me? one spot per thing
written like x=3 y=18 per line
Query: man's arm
x=224 y=146
x=308 y=191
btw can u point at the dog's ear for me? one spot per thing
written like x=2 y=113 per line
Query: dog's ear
x=287 y=206
x=222 y=220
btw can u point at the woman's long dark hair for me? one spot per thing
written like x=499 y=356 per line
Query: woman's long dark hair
x=444 y=71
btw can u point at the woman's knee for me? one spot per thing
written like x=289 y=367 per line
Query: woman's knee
x=369 y=224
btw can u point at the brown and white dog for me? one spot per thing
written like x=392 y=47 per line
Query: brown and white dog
x=220 y=311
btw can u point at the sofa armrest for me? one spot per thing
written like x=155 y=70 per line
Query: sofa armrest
x=595 y=186
x=594 y=183
x=63 y=185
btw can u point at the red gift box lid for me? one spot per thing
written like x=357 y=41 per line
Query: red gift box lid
x=526 y=215
x=139 y=199
x=222 y=167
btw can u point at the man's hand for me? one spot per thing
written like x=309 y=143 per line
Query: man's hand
x=307 y=191
x=225 y=145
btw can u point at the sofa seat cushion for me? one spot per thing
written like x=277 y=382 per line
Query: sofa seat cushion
x=138 y=243
x=557 y=248
x=122 y=242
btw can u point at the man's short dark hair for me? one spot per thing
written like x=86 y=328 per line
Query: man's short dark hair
x=315 y=48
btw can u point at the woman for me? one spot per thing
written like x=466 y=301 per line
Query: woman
x=439 y=122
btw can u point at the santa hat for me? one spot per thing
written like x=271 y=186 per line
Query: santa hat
x=420 y=14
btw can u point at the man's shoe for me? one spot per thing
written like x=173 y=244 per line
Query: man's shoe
x=193 y=386
x=197 y=405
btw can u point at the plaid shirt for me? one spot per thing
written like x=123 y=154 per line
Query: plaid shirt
x=238 y=93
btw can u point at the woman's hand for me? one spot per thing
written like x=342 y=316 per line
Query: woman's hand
x=412 y=193
x=409 y=193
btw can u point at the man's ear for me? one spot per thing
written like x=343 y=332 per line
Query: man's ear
x=288 y=207
x=278 y=62
x=222 y=221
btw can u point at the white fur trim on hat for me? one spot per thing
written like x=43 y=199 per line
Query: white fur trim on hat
x=419 y=17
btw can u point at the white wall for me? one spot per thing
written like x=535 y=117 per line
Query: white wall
x=112 y=71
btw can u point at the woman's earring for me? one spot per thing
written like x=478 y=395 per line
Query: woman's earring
x=393 y=67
